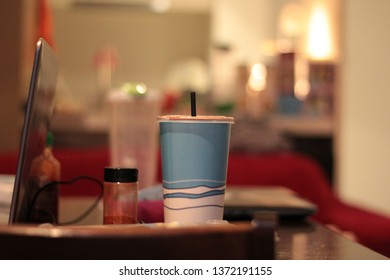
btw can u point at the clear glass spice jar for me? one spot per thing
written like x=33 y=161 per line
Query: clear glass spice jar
x=120 y=200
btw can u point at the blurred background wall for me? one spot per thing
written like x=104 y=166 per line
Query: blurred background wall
x=363 y=123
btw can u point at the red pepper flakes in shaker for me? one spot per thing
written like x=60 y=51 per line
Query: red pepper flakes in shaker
x=120 y=195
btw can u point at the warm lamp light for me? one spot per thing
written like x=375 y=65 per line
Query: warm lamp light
x=257 y=78
x=319 y=35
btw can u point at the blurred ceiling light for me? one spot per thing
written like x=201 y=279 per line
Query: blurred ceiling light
x=160 y=6
x=319 y=38
x=257 y=78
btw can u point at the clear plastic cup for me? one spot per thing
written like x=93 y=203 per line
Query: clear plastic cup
x=134 y=135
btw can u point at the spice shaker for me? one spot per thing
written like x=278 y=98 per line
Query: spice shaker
x=120 y=200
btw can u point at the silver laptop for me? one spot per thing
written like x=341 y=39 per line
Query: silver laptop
x=38 y=113
x=242 y=202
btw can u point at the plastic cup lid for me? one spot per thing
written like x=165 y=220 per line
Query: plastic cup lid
x=200 y=118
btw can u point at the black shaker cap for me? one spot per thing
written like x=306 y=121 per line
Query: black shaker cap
x=120 y=175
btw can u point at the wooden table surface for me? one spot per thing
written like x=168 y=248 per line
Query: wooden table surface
x=298 y=240
x=306 y=240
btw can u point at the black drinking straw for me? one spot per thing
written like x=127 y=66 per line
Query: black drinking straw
x=193 y=104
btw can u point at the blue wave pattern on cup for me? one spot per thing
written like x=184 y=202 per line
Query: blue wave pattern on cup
x=194 y=164
x=193 y=189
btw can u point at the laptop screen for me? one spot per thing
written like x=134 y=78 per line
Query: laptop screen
x=39 y=110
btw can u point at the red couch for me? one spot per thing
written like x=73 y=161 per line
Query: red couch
x=295 y=171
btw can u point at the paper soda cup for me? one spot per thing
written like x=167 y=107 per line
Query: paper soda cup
x=194 y=153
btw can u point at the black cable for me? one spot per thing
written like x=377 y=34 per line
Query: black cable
x=54 y=183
